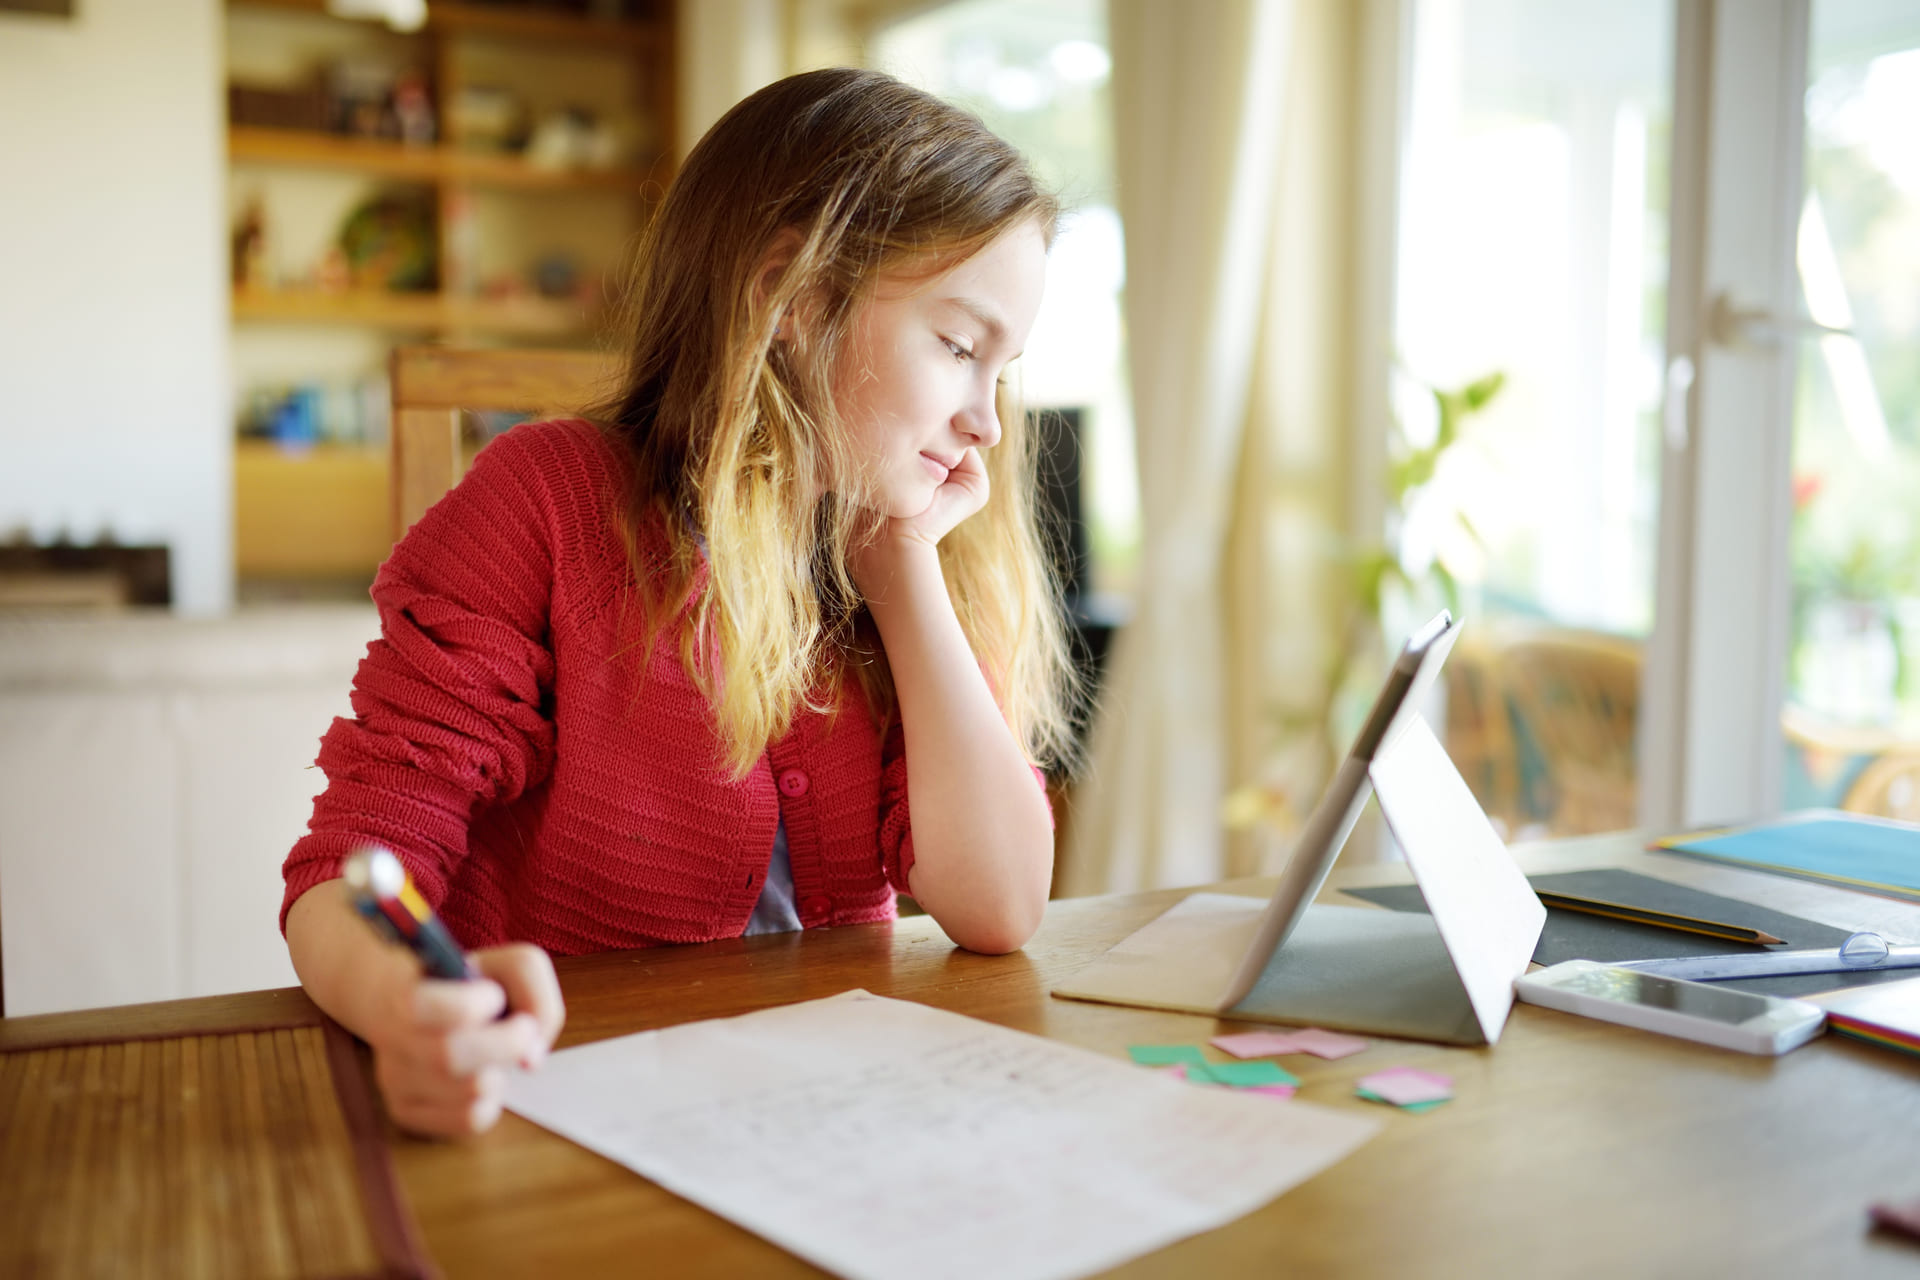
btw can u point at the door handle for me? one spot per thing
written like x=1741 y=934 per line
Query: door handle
x=1730 y=325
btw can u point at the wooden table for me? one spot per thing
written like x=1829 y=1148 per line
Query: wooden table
x=1572 y=1148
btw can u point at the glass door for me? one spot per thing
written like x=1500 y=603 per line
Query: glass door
x=1852 y=717
x=1782 y=670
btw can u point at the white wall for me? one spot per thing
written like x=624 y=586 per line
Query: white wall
x=114 y=399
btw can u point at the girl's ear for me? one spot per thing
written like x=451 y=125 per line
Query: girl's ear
x=766 y=278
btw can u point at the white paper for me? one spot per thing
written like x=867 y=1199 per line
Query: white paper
x=881 y=1138
x=1487 y=913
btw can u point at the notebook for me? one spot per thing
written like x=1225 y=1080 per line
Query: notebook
x=1877 y=855
x=1887 y=1015
x=1445 y=976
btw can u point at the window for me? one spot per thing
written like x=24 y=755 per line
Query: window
x=1533 y=245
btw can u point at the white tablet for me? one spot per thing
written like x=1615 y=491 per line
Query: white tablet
x=1446 y=975
x=1332 y=820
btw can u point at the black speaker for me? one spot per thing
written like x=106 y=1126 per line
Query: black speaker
x=1061 y=510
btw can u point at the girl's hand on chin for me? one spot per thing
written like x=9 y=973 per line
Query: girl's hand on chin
x=963 y=493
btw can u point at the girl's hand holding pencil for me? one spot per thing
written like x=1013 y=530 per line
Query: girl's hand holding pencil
x=442 y=1045
x=442 y=1035
x=442 y=1050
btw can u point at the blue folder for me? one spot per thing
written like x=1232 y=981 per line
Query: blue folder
x=1876 y=855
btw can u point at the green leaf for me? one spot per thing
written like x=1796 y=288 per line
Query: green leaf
x=1449 y=428
x=1449 y=586
x=1472 y=532
x=1412 y=471
x=1368 y=574
x=1479 y=393
x=1902 y=668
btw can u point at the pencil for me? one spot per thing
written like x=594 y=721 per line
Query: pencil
x=1662 y=919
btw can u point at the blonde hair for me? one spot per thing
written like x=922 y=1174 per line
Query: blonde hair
x=734 y=436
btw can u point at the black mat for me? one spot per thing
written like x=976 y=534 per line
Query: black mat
x=1572 y=935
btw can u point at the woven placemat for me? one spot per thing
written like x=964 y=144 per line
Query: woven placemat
x=241 y=1153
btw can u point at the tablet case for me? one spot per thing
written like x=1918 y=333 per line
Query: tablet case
x=1447 y=976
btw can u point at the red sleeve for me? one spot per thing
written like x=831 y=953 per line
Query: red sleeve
x=451 y=703
x=896 y=825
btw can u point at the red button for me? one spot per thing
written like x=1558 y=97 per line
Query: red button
x=815 y=906
x=793 y=783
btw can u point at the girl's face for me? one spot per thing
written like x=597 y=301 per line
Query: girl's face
x=917 y=379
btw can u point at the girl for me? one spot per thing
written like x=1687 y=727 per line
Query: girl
x=767 y=642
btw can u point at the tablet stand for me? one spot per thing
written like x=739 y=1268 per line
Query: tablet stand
x=1445 y=976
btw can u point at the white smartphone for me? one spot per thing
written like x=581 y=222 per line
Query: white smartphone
x=1691 y=1010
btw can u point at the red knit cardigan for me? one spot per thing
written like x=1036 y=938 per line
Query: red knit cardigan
x=538 y=785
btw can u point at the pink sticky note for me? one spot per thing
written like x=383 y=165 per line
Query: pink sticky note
x=1178 y=1070
x=1272 y=1090
x=1257 y=1044
x=1404 y=1085
x=1327 y=1044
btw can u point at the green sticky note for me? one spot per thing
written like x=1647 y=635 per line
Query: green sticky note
x=1242 y=1075
x=1161 y=1055
x=1371 y=1096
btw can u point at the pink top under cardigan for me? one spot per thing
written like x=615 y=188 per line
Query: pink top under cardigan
x=505 y=745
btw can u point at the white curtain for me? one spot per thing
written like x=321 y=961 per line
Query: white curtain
x=1198 y=95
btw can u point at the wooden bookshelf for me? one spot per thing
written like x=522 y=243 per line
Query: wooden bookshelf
x=323 y=512
x=379 y=157
x=505 y=22
x=527 y=317
x=315 y=513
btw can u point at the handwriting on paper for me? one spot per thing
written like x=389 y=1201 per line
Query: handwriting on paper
x=879 y=1137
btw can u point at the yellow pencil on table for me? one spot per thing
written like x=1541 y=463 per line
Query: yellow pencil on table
x=1661 y=919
